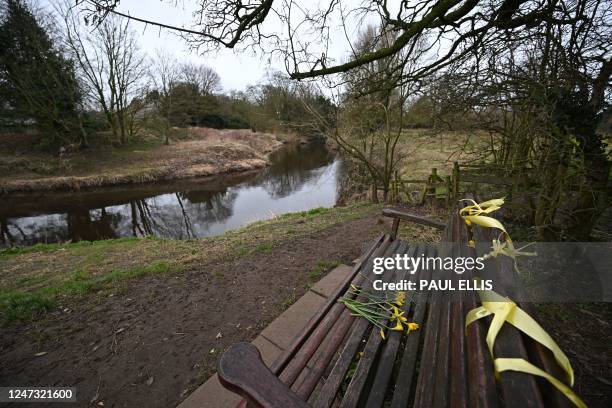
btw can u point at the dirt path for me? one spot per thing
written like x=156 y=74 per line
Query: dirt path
x=151 y=345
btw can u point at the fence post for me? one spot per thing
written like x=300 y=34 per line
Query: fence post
x=455 y=181
x=396 y=188
x=448 y=191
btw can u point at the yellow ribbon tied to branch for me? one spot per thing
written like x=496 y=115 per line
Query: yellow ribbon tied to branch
x=505 y=310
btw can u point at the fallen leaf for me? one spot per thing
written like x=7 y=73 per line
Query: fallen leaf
x=42 y=353
x=150 y=381
x=120 y=330
x=212 y=351
x=219 y=335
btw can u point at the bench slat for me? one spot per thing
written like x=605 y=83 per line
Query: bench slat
x=481 y=385
x=332 y=384
x=390 y=348
x=330 y=346
x=279 y=364
x=459 y=396
x=426 y=379
x=370 y=355
x=406 y=373
x=519 y=389
x=402 y=215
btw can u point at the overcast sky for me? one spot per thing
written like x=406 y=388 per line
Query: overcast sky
x=236 y=70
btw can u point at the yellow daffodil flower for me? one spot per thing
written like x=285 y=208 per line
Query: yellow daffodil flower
x=382 y=334
x=398 y=326
x=412 y=326
x=400 y=298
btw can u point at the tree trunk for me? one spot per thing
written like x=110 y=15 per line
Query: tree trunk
x=593 y=196
x=374 y=192
x=83 y=142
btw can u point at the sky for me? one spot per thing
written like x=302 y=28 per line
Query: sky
x=237 y=70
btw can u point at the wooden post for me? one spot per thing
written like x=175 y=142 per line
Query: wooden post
x=394 y=228
x=448 y=191
x=433 y=180
x=455 y=181
x=396 y=187
x=430 y=186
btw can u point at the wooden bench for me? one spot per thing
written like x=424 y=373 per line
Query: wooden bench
x=339 y=360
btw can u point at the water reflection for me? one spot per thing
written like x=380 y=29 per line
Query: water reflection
x=300 y=178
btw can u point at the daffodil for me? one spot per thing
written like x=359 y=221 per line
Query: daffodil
x=412 y=326
x=398 y=327
x=472 y=243
x=382 y=334
x=396 y=313
x=400 y=299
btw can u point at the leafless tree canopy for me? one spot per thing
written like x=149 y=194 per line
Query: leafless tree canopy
x=205 y=78
x=111 y=65
x=454 y=29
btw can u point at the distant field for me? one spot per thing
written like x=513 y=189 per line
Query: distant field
x=424 y=149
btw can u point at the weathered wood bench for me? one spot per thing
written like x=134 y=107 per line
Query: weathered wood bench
x=339 y=360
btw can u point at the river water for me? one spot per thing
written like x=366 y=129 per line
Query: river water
x=299 y=178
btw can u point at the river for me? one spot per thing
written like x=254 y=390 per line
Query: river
x=300 y=177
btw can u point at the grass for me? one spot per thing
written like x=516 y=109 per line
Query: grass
x=320 y=268
x=146 y=159
x=424 y=150
x=55 y=247
x=35 y=278
x=288 y=300
x=20 y=305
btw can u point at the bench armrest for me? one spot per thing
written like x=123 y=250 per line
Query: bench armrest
x=241 y=370
x=398 y=215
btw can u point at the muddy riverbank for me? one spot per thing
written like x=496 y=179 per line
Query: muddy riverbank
x=204 y=152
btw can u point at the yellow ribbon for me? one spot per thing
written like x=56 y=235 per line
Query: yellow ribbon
x=522 y=365
x=504 y=310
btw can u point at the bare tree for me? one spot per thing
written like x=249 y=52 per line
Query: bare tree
x=111 y=65
x=370 y=116
x=569 y=93
x=164 y=74
x=206 y=79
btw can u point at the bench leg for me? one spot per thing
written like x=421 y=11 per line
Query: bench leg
x=394 y=228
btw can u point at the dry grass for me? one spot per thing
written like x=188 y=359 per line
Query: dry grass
x=205 y=152
x=424 y=149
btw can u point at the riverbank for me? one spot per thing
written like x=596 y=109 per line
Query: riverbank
x=142 y=322
x=200 y=152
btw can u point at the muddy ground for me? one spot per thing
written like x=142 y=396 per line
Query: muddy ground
x=155 y=342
